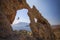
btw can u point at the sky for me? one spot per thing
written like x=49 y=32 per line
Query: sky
x=50 y=9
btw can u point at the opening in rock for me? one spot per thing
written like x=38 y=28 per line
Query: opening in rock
x=21 y=21
x=35 y=20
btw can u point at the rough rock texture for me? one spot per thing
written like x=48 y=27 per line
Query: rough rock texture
x=8 y=10
x=41 y=29
x=41 y=25
x=57 y=32
x=9 y=7
x=5 y=27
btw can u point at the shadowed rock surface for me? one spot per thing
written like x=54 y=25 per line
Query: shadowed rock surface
x=5 y=27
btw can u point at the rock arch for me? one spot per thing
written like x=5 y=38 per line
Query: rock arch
x=8 y=10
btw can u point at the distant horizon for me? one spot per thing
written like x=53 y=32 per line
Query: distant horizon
x=28 y=23
x=48 y=8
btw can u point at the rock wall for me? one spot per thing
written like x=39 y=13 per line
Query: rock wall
x=9 y=7
x=8 y=10
x=5 y=27
x=41 y=29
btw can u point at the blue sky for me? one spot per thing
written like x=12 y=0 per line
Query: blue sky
x=50 y=9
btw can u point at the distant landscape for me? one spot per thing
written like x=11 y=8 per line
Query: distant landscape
x=21 y=26
x=25 y=26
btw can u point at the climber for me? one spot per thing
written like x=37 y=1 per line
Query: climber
x=18 y=18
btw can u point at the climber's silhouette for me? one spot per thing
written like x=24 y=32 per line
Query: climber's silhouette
x=18 y=18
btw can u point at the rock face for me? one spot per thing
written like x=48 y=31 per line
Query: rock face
x=5 y=27
x=41 y=29
x=8 y=10
x=57 y=32
x=9 y=7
